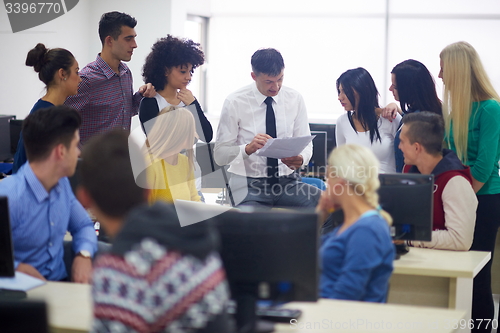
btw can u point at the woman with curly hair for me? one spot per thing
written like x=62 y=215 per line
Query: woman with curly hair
x=169 y=68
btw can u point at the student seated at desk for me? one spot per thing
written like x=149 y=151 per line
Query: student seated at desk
x=357 y=256
x=170 y=173
x=455 y=202
x=158 y=276
x=41 y=203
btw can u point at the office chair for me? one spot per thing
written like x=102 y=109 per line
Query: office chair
x=314 y=182
x=213 y=175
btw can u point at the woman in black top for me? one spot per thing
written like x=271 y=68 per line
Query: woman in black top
x=169 y=68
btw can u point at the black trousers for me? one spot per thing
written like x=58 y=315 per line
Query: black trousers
x=485 y=233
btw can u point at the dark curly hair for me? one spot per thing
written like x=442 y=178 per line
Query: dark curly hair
x=167 y=53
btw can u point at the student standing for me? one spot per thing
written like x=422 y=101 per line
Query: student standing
x=362 y=123
x=169 y=68
x=105 y=97
x=413 y=87
x=471 y=107
x=58 y=69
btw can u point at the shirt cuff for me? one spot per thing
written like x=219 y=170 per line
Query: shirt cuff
x=243 y=152
x=86 y=246
x=480 y=177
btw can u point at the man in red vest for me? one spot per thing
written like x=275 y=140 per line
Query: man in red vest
x=455 y=202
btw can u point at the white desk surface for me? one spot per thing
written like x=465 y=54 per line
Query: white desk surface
x=346 y=316
x=429 y=262
x=70 y=310
x=69 y=305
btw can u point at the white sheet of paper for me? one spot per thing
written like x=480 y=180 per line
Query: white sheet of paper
x=286 y=147
x=21 y=281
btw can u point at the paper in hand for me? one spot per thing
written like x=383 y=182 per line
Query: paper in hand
x=286 y=147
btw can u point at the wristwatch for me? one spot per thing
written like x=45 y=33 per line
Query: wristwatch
x=85 y=254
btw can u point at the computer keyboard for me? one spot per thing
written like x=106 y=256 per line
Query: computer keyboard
x=278 y=315
x=270 y=313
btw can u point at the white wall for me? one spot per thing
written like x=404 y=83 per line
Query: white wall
x=19 y=85
x=77 y=31
x=320 y=39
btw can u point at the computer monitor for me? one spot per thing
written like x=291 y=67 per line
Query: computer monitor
x=23 y=317
x=5 y=150
x=269 y=255
x=409 y=200
x=317 y=163
x=15 y=126
x=6 y=247
x=331 y=142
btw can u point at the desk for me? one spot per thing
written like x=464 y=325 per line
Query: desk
x=344 y=316
x=436 y=278
x=69 y=305
x=70 y=310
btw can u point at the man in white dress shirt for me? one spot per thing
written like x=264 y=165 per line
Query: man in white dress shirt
x=252 y=115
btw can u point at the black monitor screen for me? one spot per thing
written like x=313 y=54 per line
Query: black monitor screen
x=409 y=200
x=5 y=149
x=23 y=317
x=6 y=250
x=318 y=159
x=270 y=255
x=15 y=126
x=331 y=142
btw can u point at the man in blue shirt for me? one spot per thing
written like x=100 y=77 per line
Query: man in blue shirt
x=41 y=203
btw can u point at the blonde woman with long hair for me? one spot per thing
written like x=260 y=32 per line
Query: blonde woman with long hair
x=171 y=174
x=472 y=112
x=357 y=256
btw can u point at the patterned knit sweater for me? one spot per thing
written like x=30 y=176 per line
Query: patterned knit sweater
x=155 y=283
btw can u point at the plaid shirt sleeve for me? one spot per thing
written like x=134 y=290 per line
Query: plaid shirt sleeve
x=80 y=100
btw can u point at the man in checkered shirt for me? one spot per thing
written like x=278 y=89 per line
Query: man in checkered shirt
x=105 y=97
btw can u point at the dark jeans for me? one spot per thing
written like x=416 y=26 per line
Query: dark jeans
x=289 y=192
x=485 y=233
x=69 y=255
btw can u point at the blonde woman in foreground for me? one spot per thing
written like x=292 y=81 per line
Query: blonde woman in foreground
x=171 y=173
x=357 y=256
x=472 y=112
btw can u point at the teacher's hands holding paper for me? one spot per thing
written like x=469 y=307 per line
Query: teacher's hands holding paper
x=258 y=142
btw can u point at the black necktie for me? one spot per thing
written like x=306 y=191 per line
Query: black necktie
x=272 y=163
